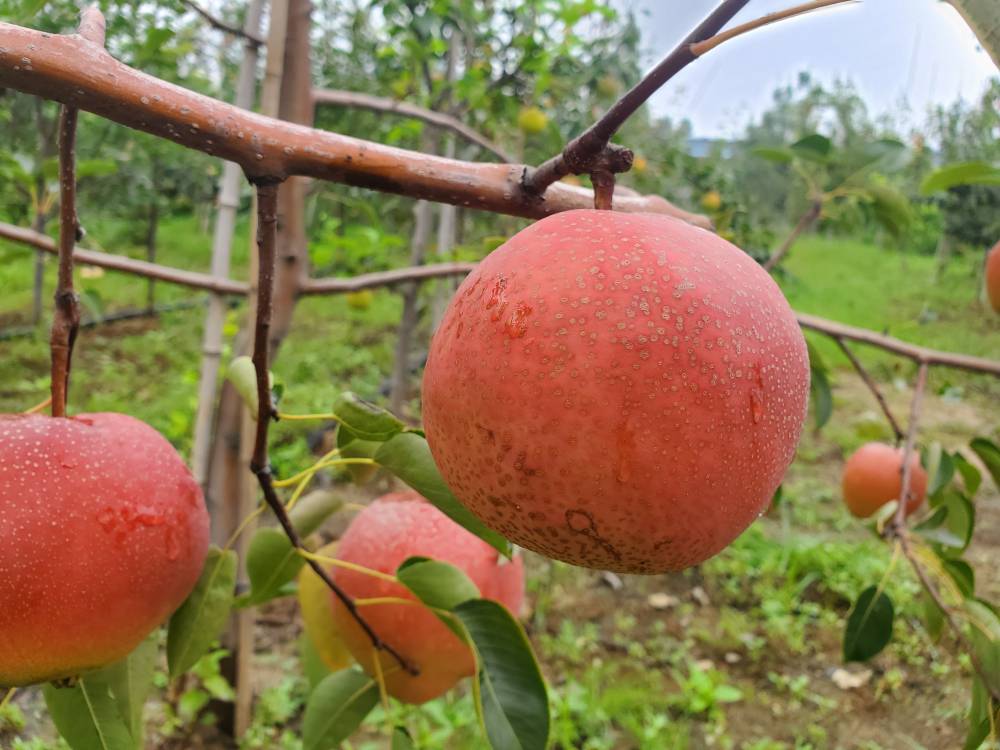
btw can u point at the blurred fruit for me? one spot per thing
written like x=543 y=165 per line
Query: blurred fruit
x=532 y=120
x=639 y=164
x=872 y=477
x=711 y=201
x=993 y=277
x=360 y=300
x=608 y=85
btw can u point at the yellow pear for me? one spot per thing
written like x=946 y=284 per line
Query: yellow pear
x=317 y=616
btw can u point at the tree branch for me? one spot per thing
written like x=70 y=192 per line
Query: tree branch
x=925 y=581
x=391 y=106
x=63 y=68
x=913 y=352
x=267 y=221
x=579 y=153
x=804 y=222
x=66 y=320
x=191 y=279
x=222 y=25
x=873 y=387
x=701 y=48
x=898 y=525
x=334 y=285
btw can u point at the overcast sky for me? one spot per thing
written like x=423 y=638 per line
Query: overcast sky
x=917 y=50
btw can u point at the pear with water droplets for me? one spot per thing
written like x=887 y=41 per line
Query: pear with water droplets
x=103 y=533
x=619 y=391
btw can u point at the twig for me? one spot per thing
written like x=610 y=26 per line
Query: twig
x=334 y=285
x=66 y=320
x=913 y=352
x=222 y=25
x=804 y=222
x=405 y=109
x=267 y=219
x=191 y=279
x=579 y=153
x=872 y=386
x=897 y=527
x=701 y=48
x=934 y=594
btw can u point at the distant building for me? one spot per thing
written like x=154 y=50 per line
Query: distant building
x=702 y=147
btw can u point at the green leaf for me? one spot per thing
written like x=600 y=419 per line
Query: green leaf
x=130 y=681
x=351 y=446
x=95 y=168
x=312 y=510
x=989 y=453
x=510 y=693
x=87 y=715
x=27 y=10
x=886 y=153
x=366 y=420
x=779 y=154
x=436 y=584
x=962 y=574
x=984 y=636
x=933 y=617
x=960 y=173
x=272 y=563
x=972 y=478
x=891 y=208
x=407 y=456
x=728 y=694
x=943 y=472
x=820 y=394
x=313 y=667
x=336 y=708
x=951 y=523
x=200 y=619
x=814 y=147
x=243 y=376
x=401 y=739
x=869 y=626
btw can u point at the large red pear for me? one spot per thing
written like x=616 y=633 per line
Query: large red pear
x=103 y=533
x=618 y=391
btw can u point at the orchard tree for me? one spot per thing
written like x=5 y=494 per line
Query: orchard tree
x=547 y=392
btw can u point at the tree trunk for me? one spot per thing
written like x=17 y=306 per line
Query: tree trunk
x=225 y=225
x=152 y=222
x=400 y=392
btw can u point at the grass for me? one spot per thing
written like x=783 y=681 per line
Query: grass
x=748 y=669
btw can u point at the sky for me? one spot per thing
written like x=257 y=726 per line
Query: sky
x=917 y=51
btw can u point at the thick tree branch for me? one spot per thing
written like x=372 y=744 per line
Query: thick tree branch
x=191 y=279
x=267 y=221
x=873 y=387
x=82 y=74
x=404 y=109
x=222 y=25
x=66 y=320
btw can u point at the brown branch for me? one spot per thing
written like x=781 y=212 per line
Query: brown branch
x=579 y=153
x=872 y=386
x=804 y=222
x=222 y=25
x=64 y=68
x=92 y=26
x=191 y=279
x=701 y=48
x=66 y=320
x=267 y=221
x=382 y=104
x=384 y=278
x=977 y=665
x=916 y=353
x=898 y=525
